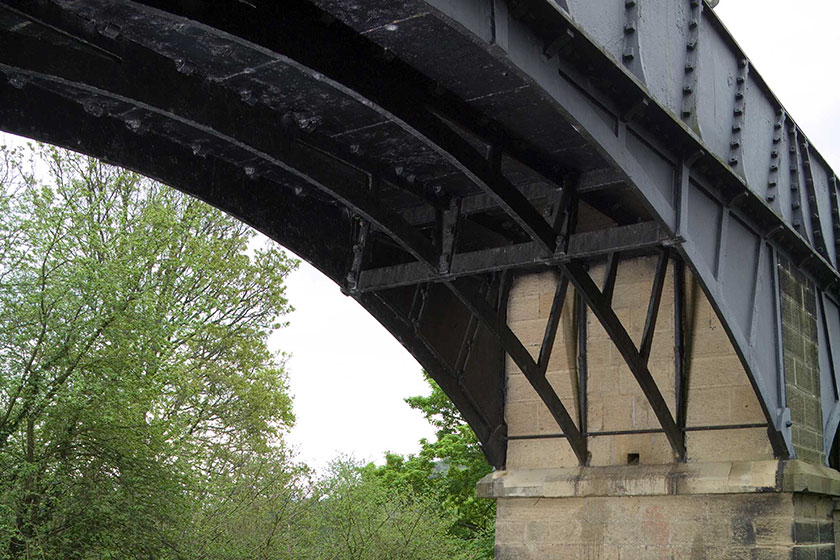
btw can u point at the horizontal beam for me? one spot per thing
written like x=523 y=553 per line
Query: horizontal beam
x=536 y=193
x=645 y=235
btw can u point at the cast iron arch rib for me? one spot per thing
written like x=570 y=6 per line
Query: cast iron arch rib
x=51 y=109
x=352 y=114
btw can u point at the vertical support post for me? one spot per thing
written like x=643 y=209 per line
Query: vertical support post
x=583 y=373
x=680 y=370
x=449 y=234
x=782 y=447
x=362 y=231
x=777 y=314
x=723 y=234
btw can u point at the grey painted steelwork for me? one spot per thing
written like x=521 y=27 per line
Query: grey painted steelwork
x=421 y=152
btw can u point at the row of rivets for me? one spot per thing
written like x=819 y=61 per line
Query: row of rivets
x=814 y=209
x=738 y=113
x=775 y=157
x=689 y=102
x=632 y=56
x=795 y=194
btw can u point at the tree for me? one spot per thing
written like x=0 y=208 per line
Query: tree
x=448 y=469
x=139 y=402
x=361 y=517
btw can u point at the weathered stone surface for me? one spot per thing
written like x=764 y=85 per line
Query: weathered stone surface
x=736 y=477
x=802 y=379
x=720 y=394
x=731 y=499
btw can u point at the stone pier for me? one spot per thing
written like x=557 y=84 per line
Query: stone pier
x=731 y=498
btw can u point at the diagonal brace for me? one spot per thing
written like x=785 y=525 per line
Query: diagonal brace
x=520 y=355
x=653 y=306
x=635 y=361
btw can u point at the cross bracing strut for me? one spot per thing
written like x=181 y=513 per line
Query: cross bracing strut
x=633 y=357
x=653 y=307
x=636 y=238
x=533 y=371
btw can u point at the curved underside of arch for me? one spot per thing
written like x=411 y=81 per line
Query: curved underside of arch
x=420 y=153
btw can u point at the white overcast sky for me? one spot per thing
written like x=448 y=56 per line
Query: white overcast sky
x=349 y=376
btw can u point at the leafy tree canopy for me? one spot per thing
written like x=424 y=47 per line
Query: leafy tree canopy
x=138 y=397
x=142 y=414
x=447 y=468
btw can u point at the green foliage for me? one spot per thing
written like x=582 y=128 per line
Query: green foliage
x=447 y=469
x=142 y=414
x=139 y=403
x=362 y=517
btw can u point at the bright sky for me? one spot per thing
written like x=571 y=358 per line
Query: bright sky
x=349 y=376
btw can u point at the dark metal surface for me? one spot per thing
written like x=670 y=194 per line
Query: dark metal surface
x=421 y=153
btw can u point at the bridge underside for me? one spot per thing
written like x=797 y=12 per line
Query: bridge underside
x=422 y=153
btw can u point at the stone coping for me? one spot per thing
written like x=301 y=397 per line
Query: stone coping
x=735 y=477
